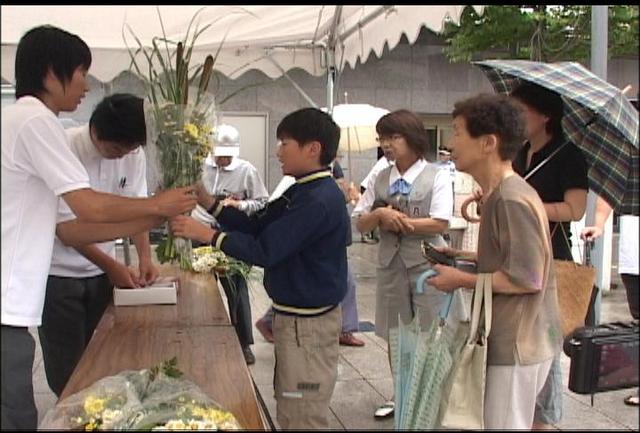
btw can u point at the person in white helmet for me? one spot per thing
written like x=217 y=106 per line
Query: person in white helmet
x=225 y=174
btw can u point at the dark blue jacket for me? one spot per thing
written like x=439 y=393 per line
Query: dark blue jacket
x=299 y=239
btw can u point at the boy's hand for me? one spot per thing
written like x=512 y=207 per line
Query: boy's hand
x=187 y=227
x=175 y=201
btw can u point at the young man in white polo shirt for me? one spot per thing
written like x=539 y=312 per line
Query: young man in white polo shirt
x=37 y=168
x=81 y=279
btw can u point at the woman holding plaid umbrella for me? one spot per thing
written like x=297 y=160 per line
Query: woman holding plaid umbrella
x=556 y=169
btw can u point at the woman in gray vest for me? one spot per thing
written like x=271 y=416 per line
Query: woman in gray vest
x=413 y=202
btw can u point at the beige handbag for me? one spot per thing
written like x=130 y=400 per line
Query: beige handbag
x=462 y=403
x=575 y=289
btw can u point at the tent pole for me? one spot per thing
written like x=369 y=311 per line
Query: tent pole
x=349 y=152
x=364 y=21
x=601 y=254
x=296 y=85
x=331 y=77
x=330 y=54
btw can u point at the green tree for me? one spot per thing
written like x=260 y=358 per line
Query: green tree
x=538 y=32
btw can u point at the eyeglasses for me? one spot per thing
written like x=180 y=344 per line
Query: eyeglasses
x=388 y=138
x=114 y=149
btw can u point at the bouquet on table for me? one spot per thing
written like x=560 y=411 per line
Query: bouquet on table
x=179 y=128
x=212 y=260
x=149 y=399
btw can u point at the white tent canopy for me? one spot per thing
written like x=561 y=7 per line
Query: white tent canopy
x=272 y=39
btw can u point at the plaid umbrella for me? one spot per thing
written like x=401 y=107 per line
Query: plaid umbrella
x=598 y=118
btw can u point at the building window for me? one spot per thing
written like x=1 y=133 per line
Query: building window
x=439 y=130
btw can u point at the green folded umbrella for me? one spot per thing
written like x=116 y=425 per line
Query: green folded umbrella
x=421 y=362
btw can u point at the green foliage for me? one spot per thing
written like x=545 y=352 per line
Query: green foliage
x=169 y=368
x=168 y=251
x=167 y=74
x=544 y=33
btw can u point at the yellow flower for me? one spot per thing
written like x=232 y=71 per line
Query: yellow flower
x=109 y=415
x=191 y=129
x=93 y=405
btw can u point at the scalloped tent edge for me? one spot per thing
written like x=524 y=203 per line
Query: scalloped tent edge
x=272 y=39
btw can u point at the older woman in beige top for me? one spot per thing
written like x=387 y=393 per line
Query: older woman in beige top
x=514 y=246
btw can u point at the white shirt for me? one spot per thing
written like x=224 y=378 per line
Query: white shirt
x=37 y=168
x=124 y=176
x=370 y=179
x=441 y=194
x=369 y=195
x=449 y=165
x=628 y=256
x=282 y=186
x=240 y=180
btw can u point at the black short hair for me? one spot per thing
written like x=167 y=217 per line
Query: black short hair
x=119 y=118
x=544 y=101
x=407 y=124
x=494 y=114
x=47 y=47
x=311 y=124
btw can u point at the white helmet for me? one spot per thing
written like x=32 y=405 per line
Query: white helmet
x=226 y=141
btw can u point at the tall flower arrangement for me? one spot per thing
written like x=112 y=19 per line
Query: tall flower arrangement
x=179 y=128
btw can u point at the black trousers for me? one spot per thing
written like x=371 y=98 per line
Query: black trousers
x=237 y=292
x=632 y=286
x=18 y=405
x=72 y=309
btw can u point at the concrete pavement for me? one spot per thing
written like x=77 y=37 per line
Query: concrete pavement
x=364 y=378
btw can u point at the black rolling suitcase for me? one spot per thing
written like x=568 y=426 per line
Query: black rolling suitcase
x=604 y=357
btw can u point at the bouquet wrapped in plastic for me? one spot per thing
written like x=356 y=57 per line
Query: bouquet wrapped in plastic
x=179 y=141
x=149 y=399
x=178 y=127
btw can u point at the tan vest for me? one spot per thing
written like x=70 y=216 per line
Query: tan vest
x=416 y=205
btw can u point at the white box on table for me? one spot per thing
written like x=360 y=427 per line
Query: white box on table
x=163 y=291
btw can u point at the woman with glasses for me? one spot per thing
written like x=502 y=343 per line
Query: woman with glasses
x=413 y=202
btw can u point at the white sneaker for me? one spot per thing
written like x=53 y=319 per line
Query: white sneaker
x=385 y=411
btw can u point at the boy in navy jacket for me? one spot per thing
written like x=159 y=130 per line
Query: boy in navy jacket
x=300 y=240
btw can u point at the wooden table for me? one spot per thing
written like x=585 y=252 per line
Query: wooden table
x=194 y=330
